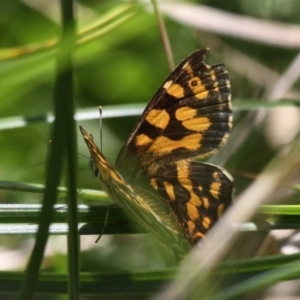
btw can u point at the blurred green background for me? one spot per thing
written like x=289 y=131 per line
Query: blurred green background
x=126 y=65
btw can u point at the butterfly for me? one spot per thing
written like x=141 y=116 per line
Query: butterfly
x=158 y=178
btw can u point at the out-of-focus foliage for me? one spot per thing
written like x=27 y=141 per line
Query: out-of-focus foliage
x=127 y=64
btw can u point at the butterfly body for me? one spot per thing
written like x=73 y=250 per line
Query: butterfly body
x=188 y=118
x=143 y=206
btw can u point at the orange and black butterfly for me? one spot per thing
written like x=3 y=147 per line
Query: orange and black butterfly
x=157 y=179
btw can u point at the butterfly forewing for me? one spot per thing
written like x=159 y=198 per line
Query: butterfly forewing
x=189 y=116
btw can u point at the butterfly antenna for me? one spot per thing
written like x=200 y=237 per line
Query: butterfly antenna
x=100 y=126
x=83 y=155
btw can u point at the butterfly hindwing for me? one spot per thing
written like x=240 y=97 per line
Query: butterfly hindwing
x=197 y=193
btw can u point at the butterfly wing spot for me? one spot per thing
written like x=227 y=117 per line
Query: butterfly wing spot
x=192 y=206
x=201 y=92
x=193 y=233
x=214 y=78
x=163 y=145
x=214 y=189
x=202 y=96
x=153 y=183
x=195 y=82
x=206 y=223
x=158 y=118
x=169 y=188
x=198 y=88
x=188 y=68
x=183 y=175
x=192 y=211
x=194 y=202
x=220 y=210
x=224 y=139
x=142 y=140
x=191 y=227
x=174 y=89
x=197 y=236
x=205 y=202
x=197 y=124
x=185 y=113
